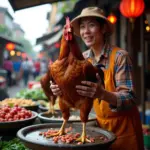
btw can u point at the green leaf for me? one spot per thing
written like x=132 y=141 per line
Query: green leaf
x=14 y=144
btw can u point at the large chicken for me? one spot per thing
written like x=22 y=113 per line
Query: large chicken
x=68 y=71
x=45 y=83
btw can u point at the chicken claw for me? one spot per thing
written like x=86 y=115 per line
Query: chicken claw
x=51 y=109
x=60 y=132
x=83 y=138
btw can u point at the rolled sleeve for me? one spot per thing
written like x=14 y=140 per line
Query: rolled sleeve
x=124 y=101
x=123 y=79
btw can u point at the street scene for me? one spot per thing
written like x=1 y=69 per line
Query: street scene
x=75 y=74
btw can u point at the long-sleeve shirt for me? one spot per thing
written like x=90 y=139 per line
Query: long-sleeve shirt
x=123 y=77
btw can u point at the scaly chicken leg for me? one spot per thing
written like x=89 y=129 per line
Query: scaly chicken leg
x=83 y=138
x=65 y=114
x=51 y=106
x=61 y=130
x=85 y=109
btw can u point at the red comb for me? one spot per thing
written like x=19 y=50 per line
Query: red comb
x=67 y=21
x=68 y=30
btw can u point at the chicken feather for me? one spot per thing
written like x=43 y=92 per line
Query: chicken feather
x=45 y=84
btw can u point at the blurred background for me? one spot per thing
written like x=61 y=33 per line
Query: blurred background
x=30 y=31
x=30 y=34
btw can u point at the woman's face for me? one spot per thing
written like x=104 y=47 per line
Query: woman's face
x=91 y=31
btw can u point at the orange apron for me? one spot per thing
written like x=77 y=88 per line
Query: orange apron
x=125 y=124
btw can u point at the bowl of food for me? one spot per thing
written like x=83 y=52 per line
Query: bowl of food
x=43 y=108
x=57 y=117
x=14 y=118
x=29 y=104
x=45 y=105
x=34 y=137
x=34 y=94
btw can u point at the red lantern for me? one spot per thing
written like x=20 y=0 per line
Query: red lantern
x=132 y=8
x=24 y=55
x=10 y=46
x=112 y=18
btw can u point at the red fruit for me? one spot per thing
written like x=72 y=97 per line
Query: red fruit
x=6 y=109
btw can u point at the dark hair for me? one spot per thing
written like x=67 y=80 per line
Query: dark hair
x=102 y=22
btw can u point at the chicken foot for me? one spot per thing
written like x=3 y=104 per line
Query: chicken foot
x=83 y=138
x=61 y=130
x=51 y=109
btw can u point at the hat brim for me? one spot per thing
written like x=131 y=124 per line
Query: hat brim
x=76 y=25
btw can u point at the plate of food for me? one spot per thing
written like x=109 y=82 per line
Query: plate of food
x=14 y=118
x=57 y=117
x=35 y=137
x=29 y=104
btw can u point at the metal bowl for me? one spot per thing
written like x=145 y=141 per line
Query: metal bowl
x=57 y=117
x=31 y=138
x=32 y=108
x=43 y=108
x=6 y=128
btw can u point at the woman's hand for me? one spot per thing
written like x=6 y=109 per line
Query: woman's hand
x=91 y=89
x=55 y=89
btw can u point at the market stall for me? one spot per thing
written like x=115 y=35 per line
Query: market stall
x=17 y=118
x=20 y=5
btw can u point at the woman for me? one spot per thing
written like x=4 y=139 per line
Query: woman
x=117 y=111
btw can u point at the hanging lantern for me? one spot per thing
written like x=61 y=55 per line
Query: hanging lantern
x=147 y=28
x=12 y=53
x=132 y=8
x=18 y=54
x=24 y=55
x=10 y=46
x=112 y=18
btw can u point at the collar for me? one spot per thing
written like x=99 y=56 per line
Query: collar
x=104 y=53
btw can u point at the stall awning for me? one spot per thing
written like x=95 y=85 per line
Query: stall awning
x=50 y=38
x=40 y=40
x=4 y=40
x=22 y=4
x=54 y=39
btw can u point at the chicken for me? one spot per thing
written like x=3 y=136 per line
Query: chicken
x=45 y=83
x=68 y=71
